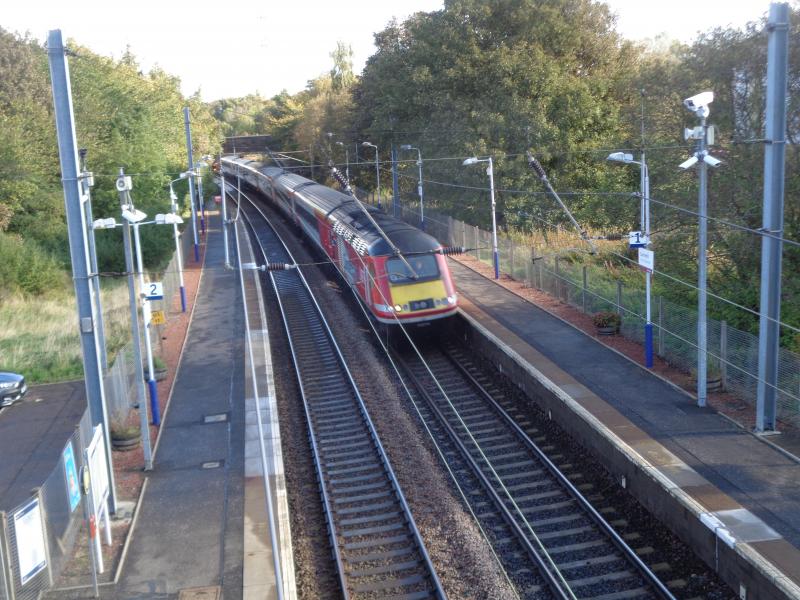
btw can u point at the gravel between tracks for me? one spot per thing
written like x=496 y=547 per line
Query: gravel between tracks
x=460 y=555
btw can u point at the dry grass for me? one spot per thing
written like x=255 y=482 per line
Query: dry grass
x=40 y=337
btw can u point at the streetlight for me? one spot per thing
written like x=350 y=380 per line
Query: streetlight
x=346 y=159
x=174 y=206
x=490 y=173
x=644 y=223
x=377 y=169
x=419 y=184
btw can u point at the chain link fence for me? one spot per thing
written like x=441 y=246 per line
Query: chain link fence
x=732 y=354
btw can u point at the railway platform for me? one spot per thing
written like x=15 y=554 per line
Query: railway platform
x=729 y=494
x=202 y=529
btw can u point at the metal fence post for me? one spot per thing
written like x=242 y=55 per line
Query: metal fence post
x=723 y=353
x=557 y=266
x=583 y=291
x=511 y=257
x=6 y=574
x=541 y=274
x=477 y=243
x=619 y=297
x=661 y=326
x=463 y=234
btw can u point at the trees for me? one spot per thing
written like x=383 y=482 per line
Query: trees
x=123 y=117
x=501 y=77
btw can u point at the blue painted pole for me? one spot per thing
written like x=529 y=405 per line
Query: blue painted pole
x=183 y=299
x=151 y=386
x=648 y=345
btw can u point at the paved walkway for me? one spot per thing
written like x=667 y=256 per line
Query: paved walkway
x=759 y=477
x=190 y=526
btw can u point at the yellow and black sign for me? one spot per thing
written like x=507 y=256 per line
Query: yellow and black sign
x=157 y=317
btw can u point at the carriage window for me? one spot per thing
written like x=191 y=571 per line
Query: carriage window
x=424 y=266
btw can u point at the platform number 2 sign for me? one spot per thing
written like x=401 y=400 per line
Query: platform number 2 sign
x=154 y=290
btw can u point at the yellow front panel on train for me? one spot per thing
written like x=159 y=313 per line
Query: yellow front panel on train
x=404 y=294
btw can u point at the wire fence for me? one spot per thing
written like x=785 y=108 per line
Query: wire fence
x=732 y=354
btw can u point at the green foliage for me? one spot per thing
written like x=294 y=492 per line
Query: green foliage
x=124 y=118
x=26 y=268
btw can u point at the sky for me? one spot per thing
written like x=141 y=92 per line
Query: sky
x=248 y=46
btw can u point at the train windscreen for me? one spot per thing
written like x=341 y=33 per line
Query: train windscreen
x=424 y=266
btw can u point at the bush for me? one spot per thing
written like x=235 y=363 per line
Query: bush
x=607 y=319
x=26 y=268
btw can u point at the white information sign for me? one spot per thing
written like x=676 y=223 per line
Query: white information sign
x=154 y=290
x=647 y=259
x=98 y=469
x=31 y=554
x=147 y=312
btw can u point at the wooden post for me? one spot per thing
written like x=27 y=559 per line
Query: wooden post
x=619 y=297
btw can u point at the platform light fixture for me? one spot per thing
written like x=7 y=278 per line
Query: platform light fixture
x=644 y=223
x=419 y=184
x=377 y=169
x=490 y=172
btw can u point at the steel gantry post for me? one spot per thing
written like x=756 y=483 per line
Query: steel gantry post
x=772 y=220
x=187 y=126
x=78 y=245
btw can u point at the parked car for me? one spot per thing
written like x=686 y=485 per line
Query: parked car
x=12 y=388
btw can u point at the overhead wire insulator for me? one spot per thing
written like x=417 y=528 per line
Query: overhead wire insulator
x=536 y=166
x=453 y=250
x=280 y=267
x=341 y=179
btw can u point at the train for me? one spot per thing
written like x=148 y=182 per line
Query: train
x=404 y=279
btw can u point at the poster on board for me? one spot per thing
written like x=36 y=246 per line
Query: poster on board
x=71 y=475
x=31 y=553
x=98 y=470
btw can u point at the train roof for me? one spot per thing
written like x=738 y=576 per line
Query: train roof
x=342 y=208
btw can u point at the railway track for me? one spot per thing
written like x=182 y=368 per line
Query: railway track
x=375 y=543
x=568 y=549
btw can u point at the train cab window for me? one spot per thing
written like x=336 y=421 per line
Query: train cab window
x=424 y=266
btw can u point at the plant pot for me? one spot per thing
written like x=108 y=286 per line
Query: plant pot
x=713 y=383
x=124 y=444
x=607 y=330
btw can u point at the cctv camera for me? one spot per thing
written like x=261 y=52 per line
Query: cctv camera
x=699 y=102
x=711 y=161
x=124 y=183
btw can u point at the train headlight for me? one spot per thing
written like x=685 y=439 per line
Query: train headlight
x=452 y=299
x=398 y=308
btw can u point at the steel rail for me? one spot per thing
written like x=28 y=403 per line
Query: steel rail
x=512 y=429
x=598 y=519
x=345 y=445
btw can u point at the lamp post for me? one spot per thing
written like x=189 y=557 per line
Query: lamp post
x=419 y=184
x=490 y=173
x=644 y=223
x=346 y=159
x=174 y=206
x=377 y=169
